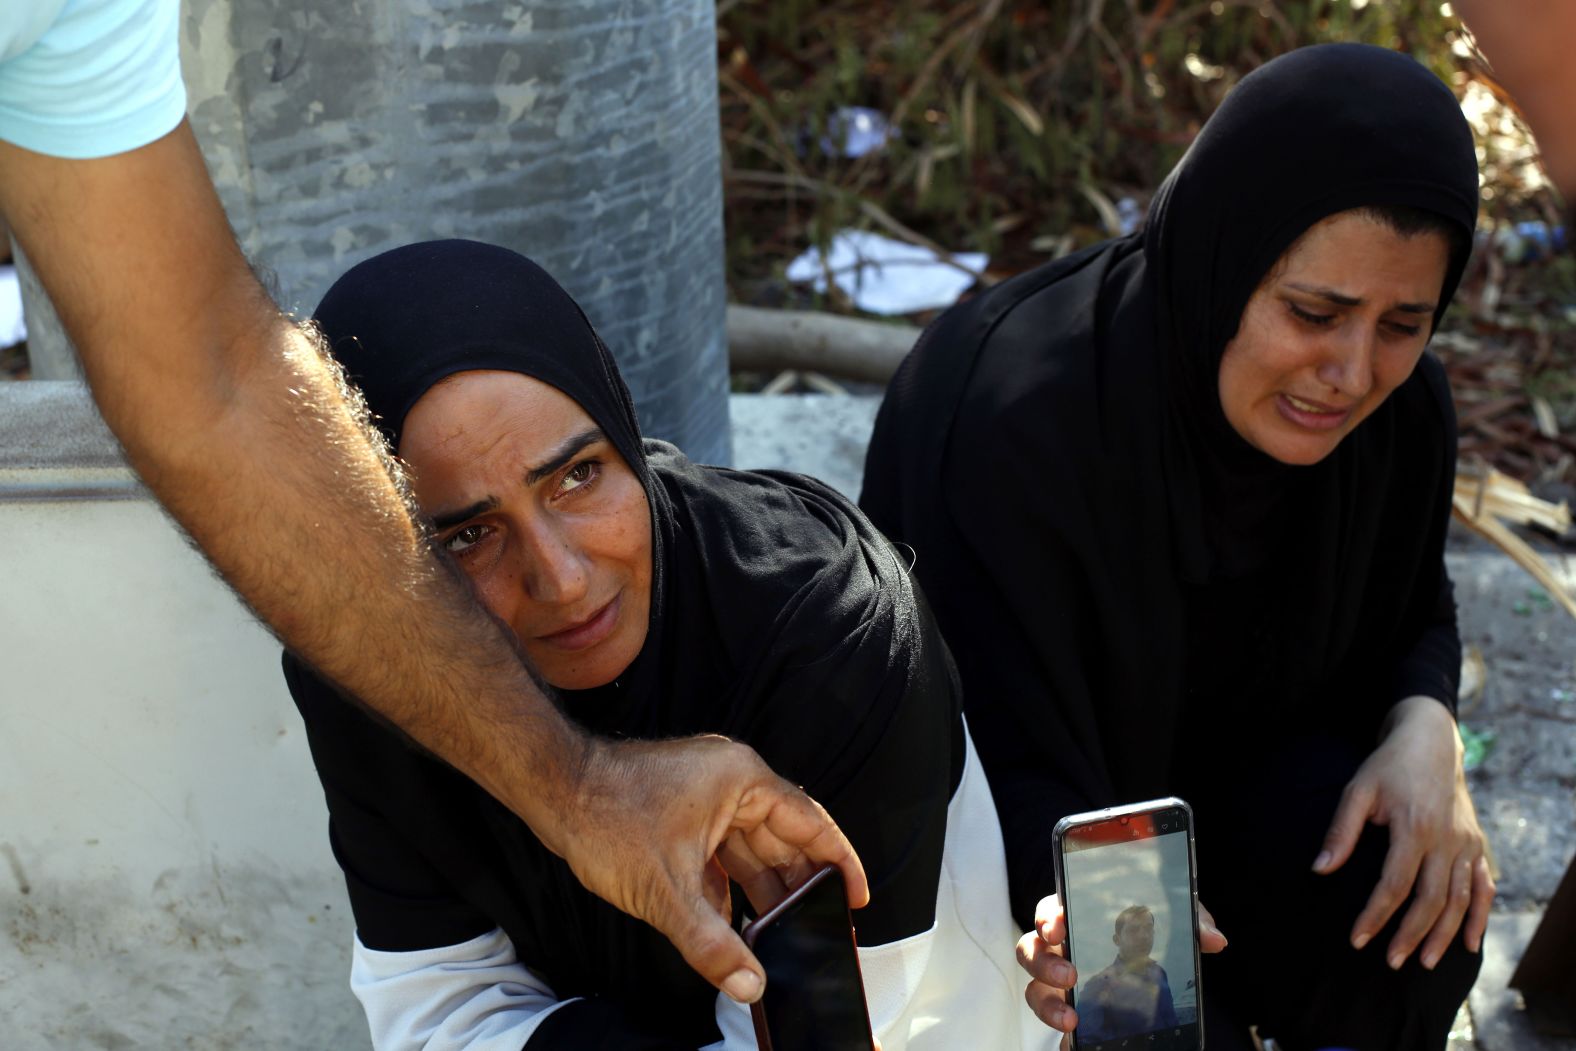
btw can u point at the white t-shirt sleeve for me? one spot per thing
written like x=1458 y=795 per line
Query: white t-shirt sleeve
x=104 y=78
x=475 y=996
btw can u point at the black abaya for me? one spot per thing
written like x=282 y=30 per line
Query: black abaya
x=1140 y=603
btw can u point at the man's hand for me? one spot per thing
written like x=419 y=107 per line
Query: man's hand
x=1414 y=785
x=657 y=827
x=1042 y=953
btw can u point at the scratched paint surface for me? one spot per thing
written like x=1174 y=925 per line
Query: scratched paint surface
x=583 y=133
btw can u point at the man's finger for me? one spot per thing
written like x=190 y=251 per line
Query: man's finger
x=1395 y=883
x=710 y=946
x=762 y=883
x=1357 y=803
x=803 y=825
x=714 y=884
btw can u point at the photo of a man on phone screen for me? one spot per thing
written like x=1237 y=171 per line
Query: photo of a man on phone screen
x=1132 y=995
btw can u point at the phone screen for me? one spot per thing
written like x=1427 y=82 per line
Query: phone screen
x=815 y=996
x=1128 y=895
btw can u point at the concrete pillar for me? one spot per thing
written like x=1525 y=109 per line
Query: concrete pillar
x=583 y=133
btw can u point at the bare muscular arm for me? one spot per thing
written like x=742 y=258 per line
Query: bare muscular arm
x=226 y=411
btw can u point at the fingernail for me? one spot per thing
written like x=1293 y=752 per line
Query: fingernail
x=1396 y=960
x=1064 y=975
x=743 y=985
x=1429 y=961
x=1360 y=941
x=1322 y=860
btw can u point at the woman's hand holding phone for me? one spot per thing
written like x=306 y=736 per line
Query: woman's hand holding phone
x=1041 y=954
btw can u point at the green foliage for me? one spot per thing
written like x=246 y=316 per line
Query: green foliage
x=1015 y=118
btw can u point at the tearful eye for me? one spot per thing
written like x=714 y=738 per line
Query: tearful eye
x=463 y=540
x=582 y=473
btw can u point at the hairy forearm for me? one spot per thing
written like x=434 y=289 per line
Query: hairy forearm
x=263 y=461
x=265 y=465
x=243 y=432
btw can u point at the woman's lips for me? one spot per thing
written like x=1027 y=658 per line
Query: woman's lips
x=588 y=632
x=1311 y=414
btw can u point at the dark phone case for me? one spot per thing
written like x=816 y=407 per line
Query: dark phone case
x=763 y=1039
x=1094 y=816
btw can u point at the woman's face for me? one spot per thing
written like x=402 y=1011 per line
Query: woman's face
x=1337 y=324
x=544 y=516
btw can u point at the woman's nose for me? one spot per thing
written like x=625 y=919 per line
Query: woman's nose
x=555 y=569
x=1348 y=363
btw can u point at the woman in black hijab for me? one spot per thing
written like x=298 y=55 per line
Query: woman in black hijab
x=1179 y=502
x=661 y=598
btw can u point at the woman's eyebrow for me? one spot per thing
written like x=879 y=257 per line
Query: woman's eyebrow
x=443 y=520
x=1342 y=299
x=564 y=454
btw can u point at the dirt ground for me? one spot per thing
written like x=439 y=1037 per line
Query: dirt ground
x=1525 y=787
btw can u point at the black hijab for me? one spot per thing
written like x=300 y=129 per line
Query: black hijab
x=779 y=617
x=1108 y=559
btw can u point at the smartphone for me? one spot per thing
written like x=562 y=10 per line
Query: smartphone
x=1127 y=881
x=815 y=994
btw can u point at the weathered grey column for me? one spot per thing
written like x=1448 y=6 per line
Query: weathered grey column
x=583 y=133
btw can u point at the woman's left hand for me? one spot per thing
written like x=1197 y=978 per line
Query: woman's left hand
x=1414 y=784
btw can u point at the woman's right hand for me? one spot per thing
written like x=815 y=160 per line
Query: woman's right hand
x=1041 y=952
